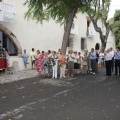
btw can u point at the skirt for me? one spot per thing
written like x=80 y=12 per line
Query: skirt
x=76 y=66
x=101 y=60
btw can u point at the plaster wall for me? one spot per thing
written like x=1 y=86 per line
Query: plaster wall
x=49 y=34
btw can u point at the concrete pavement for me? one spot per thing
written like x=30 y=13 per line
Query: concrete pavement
x=83 y=97
x=17 y=76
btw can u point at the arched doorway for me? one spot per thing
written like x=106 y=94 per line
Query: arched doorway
x=9 y=40
x=97 y=46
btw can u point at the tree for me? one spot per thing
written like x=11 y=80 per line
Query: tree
x=63 y=11
x=115 y=24
x=99 y=10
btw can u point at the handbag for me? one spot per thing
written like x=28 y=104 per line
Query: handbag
x=84 y=63
x=78 y=61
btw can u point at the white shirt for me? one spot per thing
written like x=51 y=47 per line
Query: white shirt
x=7 y=56
x=76 y=58
x=32 y=54
x=108 y=56
x=70 y=57
x=101 y=55
x=55 y=59
x=112 y=52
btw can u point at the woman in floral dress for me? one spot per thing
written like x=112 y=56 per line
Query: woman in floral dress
x=39 y=62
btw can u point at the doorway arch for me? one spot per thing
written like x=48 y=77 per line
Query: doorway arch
x=12 y=38
x=97 y=46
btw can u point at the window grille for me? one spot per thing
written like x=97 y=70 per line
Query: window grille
x=5 y=42
x=83 y=43
x=70 y=42
x=11 y=47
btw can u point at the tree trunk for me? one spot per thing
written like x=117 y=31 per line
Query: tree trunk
x=68 y=26
x=103 y=46
x=103 y=38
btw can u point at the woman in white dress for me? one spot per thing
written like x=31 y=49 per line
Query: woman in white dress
x=101 y=60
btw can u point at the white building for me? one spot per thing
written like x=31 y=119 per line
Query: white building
x=29 y=34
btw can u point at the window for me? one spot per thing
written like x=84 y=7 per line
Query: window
x=88 y=24
x=5 y=42
x=70 y=42
x=97 y=46
x=83 y=43
x=88 y=21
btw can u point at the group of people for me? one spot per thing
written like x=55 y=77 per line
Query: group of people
x=55 y=63
x=112 y=61
x=47 y=62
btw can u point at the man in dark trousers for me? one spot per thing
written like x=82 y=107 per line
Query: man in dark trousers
x=108 y=62
x=93 y=61
x=112 y=62
x=117 y=62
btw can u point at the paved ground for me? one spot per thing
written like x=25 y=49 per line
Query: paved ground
x=17 y=76
x=83 y=97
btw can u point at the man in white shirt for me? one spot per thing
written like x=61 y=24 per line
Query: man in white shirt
x=76 y=65
x=112 y=62
x=93 y=61
x=117 y=61
x=71 y=58
x=32 y=54
x=108 y=62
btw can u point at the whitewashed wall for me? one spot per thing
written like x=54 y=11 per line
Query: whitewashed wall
x=48 y=35
x=81 y=22
x=31 y=34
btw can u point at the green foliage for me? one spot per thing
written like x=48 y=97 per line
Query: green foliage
x=117 y=15
x=100 y=9
x=116 y=27
x=111 y=21
x=56 y=9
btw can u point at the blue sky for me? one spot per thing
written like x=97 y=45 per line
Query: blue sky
x=115 y=4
